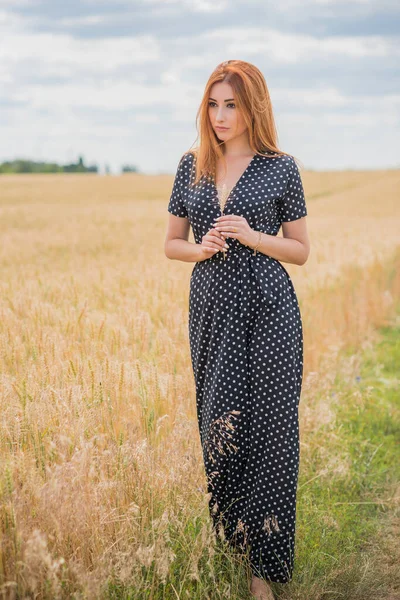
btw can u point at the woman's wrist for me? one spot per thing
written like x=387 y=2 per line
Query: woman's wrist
x=200 y=254
x=255 y=241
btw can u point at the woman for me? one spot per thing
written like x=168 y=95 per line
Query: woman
x=245 y=326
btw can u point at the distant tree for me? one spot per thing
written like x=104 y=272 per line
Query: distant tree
x=129 y=169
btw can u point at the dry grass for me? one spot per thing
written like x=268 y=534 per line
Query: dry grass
x=98 y=437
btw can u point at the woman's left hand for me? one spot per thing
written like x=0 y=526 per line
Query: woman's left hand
x=236 y=227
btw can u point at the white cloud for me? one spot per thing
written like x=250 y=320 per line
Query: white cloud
x=85 y=20
x=201 y=6
x=107 y=95
x=16 y=3
x=54 y=52
x=295 y=48
x=328 y=98
x=285 y=5
x=9 y=21
x=152 y=118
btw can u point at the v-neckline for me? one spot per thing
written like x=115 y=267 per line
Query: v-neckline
x=237 y=182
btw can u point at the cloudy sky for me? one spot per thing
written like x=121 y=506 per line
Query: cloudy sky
x=120 y=81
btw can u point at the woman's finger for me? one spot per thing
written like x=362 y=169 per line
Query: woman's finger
x=220 y=240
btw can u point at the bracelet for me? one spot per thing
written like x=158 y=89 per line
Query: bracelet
x=258 y=243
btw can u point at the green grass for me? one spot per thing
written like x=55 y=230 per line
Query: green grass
x=339 y=514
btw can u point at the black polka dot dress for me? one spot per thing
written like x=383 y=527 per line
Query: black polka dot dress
x=246 y=345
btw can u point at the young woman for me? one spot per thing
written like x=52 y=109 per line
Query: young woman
x=236 y=189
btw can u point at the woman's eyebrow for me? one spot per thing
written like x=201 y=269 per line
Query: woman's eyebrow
x=228 y=100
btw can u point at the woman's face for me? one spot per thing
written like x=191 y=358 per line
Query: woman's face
x=223 y=112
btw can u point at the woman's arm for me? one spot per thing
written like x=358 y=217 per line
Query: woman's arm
x=177 y=246
x=293 y=247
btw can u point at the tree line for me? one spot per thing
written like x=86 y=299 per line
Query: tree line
x=31 y=166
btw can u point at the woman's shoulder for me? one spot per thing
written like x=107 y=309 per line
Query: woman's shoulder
x=284 y=160
x=267 y=153
x=185 y=163
x=185 y=168
x=188 y=157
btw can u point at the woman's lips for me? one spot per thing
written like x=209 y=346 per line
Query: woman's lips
x=222 y=128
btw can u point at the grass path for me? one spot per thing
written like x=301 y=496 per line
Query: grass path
x=349 y=487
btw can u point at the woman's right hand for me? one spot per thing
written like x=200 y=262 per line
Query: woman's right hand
x=211 y=243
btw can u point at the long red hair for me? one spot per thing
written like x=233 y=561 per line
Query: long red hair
x=252 y=99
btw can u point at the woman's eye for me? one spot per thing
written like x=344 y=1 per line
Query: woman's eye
x=230 y=104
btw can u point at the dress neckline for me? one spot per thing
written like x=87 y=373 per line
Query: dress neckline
x=236 y=184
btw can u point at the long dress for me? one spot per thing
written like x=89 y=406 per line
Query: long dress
x=246 y=345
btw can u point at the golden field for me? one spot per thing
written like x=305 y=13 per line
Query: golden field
x=99 y=445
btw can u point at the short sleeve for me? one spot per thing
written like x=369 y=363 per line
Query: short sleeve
x=176 y=204
x=292 y=205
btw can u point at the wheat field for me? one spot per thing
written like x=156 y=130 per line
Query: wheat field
x=99 y=444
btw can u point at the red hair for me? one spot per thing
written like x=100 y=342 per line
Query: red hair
x=252 y=99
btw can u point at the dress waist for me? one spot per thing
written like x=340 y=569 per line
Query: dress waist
x=241 y=263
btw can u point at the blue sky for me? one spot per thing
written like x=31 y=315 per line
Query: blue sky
x=121 y=81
